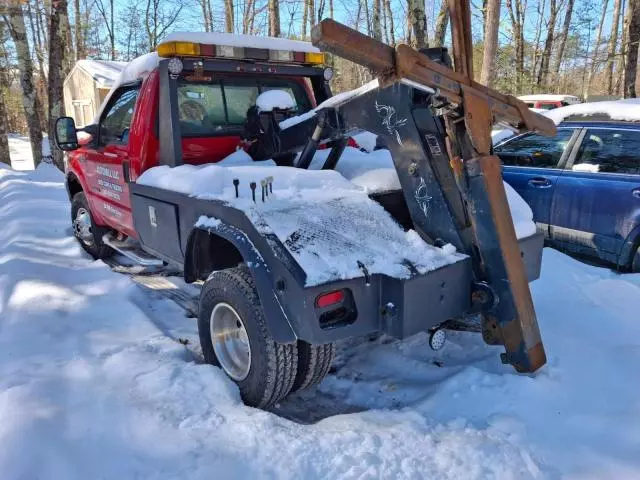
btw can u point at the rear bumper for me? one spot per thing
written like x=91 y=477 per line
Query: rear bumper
x=402 y=308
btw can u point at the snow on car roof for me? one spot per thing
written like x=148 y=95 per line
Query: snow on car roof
x=237 y=40
x=622 y=110
x=549 y=97
x=104 y=72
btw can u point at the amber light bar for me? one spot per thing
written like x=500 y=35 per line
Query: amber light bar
x=190 y=49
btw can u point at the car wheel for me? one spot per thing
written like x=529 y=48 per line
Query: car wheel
x=635 y=261
x=314 y=362
x=234 y=336
x=85 y=229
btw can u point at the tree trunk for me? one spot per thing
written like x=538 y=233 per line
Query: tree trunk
x=563 y=37
x=392 y=35
x=228 y=16
x=77 y=24
x=613 y=44
x=517 y=16
x=596 y=49
x=376 y=27
x=633 y=37
x=418 y=21
x=4 y=140
x=491 y=26
x=57 y=48
x=4 y=119
x=30 y=100
x=312 y=14
x=205 y=15
x=441 y=25
x=536 y=42
x=543 y=75
x=274 y=18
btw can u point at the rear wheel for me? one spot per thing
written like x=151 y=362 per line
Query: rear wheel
x=85 y=229
x=314 y=362
x=234 y=336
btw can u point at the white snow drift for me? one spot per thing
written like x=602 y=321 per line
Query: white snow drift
x=91 y=387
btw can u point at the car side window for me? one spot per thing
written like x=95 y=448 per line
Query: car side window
x=609 y=151
x=115 y=123
x=533 y=150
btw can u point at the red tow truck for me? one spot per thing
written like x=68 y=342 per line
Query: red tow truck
x=266 y=316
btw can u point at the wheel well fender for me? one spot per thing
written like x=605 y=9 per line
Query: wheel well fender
x=73 y=185
x=222 y=246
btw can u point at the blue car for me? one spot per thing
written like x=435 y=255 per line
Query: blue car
x=583 y=186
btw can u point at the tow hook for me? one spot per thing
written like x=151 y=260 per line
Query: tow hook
x=437 y=339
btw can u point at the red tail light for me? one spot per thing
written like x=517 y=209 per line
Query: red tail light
x=330 y=298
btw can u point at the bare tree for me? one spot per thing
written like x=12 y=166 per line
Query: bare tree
x=14 y=18
x=206 y=19
x=491 y=27
x=536 y=42
x=543 y=74
x=633 y=37
x=613 y=45
x=78 y=31
x=376 y=26
x=107 y=15
x=228 y=16
x=441 y=25
x=274 y=18
x=596 y=48
x=563 y=37
x=57 y=49
x=517 y=11
x=159 y=17
x=390 y=22
x=4 y=119
x=418 y=21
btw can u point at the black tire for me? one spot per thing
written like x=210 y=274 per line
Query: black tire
x=93 y=244
x=635 y=261
x=272 y=369
x=314 y=362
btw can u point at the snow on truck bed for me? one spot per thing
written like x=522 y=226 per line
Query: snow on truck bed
x=325 y=218
x=94 y=384
x=327 y=223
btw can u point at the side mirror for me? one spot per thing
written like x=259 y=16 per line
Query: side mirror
x=66 y=134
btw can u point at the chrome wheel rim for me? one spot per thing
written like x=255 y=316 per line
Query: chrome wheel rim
x=82 y=226
x=230 y=341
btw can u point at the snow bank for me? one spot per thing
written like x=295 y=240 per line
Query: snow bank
x=238 y=40
x=624 y=110
x=327 y=223
x=275 y=99
x=20 y=151
x=91 y=386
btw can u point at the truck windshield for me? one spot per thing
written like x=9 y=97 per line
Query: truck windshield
x=220 y=107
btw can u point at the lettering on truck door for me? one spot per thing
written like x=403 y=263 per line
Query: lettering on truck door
x=109 y=191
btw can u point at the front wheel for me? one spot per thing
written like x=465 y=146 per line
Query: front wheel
x=85 y=229
x=234 y=336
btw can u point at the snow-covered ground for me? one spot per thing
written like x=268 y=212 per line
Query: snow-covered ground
x=93 y=383
x=20 y=151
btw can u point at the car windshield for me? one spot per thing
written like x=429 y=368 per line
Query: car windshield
x=220 y=107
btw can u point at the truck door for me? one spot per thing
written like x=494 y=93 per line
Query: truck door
x=531 y=165
x=597 y=199
x=109 y=193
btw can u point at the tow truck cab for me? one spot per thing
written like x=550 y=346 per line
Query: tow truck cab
x=213 y=85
